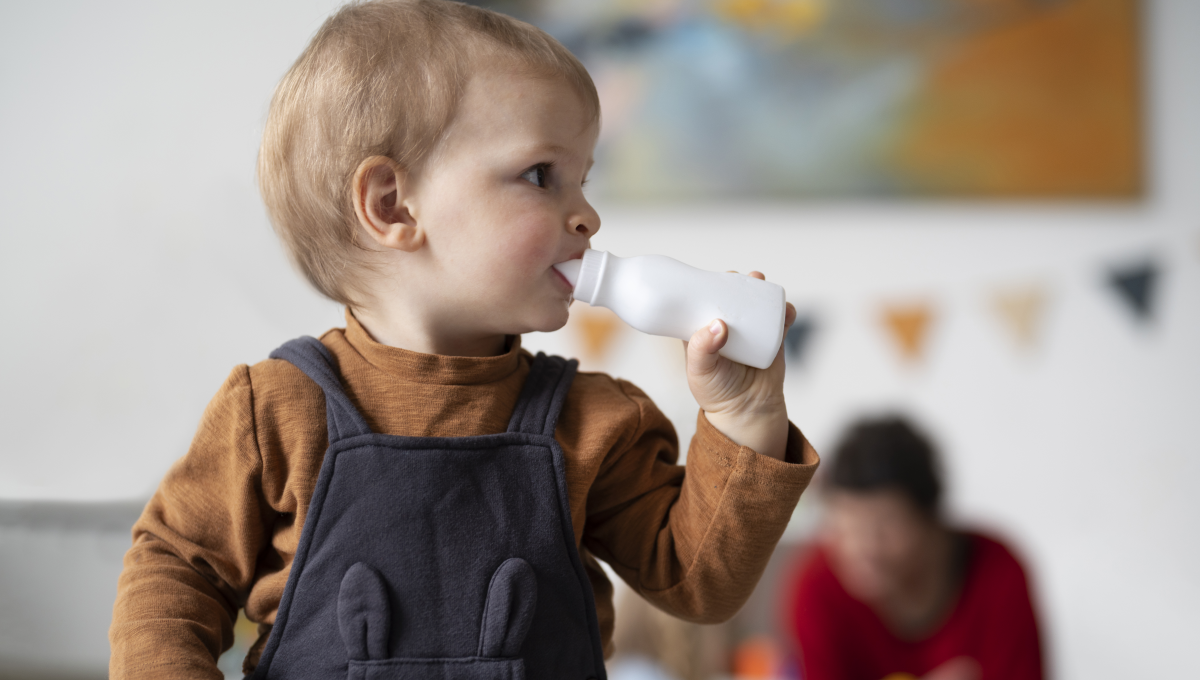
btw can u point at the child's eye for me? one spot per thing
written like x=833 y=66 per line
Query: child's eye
x=537 y=175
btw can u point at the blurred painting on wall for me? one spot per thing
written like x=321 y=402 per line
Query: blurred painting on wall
x=716 y=99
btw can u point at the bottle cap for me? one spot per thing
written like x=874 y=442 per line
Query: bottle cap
x=569 y=270
x=591 y=271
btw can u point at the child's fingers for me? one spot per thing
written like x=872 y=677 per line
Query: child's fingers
x=702 y=348
x=789 y=317
x=754 y=274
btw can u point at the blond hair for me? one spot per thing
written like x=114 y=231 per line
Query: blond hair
x=379 y=78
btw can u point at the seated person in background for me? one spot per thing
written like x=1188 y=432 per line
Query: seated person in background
x=890 y=591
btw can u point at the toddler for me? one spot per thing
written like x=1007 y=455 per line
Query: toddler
x=413 y=495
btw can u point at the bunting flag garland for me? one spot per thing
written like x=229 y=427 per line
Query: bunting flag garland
x=1136 y=285
x=597 y=327
x=909 y=327
x=1021 y=310
x=798 y=338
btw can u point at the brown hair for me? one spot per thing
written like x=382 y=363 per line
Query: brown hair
x=379 y=78
x=889 y=453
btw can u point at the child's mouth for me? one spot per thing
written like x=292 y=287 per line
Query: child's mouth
x=563 y=279
x=567 y=271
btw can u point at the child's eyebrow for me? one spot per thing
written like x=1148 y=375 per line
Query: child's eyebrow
x=547 y=148
x=551 y=148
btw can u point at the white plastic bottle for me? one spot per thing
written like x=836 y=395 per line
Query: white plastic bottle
x=661 y=296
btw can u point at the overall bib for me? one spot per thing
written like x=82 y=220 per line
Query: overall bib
x=439 y=558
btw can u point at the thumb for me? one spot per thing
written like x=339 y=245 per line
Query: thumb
x=702 y=349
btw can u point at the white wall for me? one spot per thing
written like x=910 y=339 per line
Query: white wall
x=137 y=268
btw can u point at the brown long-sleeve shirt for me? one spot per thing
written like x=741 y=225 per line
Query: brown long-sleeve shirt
x=221 y=531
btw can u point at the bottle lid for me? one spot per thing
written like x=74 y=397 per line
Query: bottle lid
x=569 y=270
x=591 y=271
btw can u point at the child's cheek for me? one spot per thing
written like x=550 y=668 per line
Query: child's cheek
x=533 y=244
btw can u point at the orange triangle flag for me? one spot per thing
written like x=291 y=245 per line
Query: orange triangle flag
x=1021 y=310
x=596 y=327
x=909 y=327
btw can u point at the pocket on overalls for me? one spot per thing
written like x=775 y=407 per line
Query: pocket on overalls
x=365 y=621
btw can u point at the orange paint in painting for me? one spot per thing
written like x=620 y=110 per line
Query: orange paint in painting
x=1045 y=105
x=789 y=19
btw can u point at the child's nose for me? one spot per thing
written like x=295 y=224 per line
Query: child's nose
x=586 y=222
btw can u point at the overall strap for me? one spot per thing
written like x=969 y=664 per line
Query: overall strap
x=309 y=355
x=543 y=395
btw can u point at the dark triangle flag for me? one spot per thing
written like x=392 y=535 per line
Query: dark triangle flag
x=1136 y=285
x=796 y=342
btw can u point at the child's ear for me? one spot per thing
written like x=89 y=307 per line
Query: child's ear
x=378 y=192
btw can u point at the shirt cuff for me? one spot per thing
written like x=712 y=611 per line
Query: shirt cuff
x=796 y=470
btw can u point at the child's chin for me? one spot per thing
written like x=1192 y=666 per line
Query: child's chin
x=550 y=327
x=550 y=322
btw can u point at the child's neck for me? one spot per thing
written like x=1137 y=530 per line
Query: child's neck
x=427 y=337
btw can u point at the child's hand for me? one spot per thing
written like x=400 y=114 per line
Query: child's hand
x=744 y=403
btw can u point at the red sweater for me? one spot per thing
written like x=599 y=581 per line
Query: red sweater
x=993 y=622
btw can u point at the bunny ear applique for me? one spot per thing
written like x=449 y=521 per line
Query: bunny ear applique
x=508 y=612
x=364 y=613
x=365 y=616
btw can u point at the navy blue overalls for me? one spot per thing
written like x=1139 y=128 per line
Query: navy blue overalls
x=439 y=558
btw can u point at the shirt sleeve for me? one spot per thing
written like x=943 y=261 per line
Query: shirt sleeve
x=194 y=550
x=693 y=541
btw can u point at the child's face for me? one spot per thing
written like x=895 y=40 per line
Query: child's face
x=501 y=201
